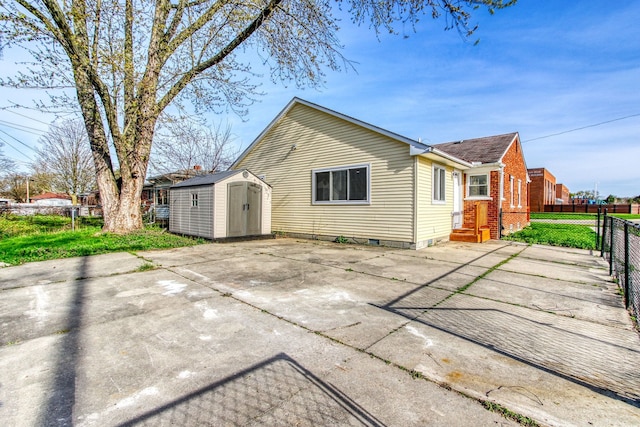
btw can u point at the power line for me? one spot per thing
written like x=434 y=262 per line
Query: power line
x=15 y=149
x=27 y=117
x=21 y=128
x=583 y=127
x=18 y=141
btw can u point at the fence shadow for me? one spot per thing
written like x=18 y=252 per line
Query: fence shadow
x=276 y=391
x=593 y=362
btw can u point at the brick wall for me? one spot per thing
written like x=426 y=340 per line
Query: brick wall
x=513 y=218
x=542 y=189
x=515 y=213
x=562 y=193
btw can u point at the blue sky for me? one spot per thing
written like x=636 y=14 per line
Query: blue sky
x=542 y=68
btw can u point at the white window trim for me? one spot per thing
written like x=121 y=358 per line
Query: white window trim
x=519 y=193
x=511 y=180
x=367 y=166
x=468 y=183
x=433 y=185
x=195 y=198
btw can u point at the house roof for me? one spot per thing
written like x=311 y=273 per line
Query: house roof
x=416 y=147
x=210 y=179
x=490 y=149
x=49 y=195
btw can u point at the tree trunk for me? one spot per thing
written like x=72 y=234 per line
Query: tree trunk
x=125 y=215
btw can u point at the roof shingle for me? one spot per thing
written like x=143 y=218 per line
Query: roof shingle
x=489 y=149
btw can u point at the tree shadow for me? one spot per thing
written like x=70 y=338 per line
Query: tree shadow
x=276 y=391
x=58 y=409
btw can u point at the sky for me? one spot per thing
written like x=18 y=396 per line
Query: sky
x=564 y=74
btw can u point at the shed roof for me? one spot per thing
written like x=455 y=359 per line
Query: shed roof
x=211 y=179
x=489 y=149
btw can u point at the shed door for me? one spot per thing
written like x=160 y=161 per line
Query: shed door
x=254 y=209
x=245 y=209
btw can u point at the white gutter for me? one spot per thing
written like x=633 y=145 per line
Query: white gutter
x=415 y=150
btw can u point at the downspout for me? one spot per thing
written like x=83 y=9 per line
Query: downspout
x=415 y=200
x=501 y=199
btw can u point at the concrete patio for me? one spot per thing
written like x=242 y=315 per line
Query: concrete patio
x=291 y=332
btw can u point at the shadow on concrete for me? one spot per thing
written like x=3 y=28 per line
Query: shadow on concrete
x=276 y=391
x=58 y=409
x=574 y=355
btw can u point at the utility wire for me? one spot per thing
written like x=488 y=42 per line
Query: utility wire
x=16 y=126
x=15 y=149
x=17 y=140
x=25 y=116
x=583 y=127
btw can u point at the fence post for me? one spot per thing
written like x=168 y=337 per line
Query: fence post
x=611 y=247
x=598 y=229
x=626 y=264
x=604 y=233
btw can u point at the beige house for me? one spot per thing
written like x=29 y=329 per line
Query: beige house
x=335 y=177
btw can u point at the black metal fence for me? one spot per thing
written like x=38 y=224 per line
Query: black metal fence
x=577 y=230
x=621 y=248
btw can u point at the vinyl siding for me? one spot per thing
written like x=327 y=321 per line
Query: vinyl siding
x=193 y=221
x=434 y=219
x=324 y=141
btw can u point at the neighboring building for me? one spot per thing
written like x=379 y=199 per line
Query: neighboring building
x=498 y=178
x=226 y=204
x=333 y=176
x=155 y=193
x=563 y=197
x=51 y=199
x=542 y=189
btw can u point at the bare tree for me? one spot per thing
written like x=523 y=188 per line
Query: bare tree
x=64 y=155
x=189 y=142
x=129 y=60
x=6 y=164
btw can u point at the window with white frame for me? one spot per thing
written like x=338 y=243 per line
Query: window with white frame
x=348 y=184
x=439 y=183
x=478 y=185
x=511 y=190
x=194 y=200
x=519 y=193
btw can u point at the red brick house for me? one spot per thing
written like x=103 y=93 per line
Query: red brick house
x=495 y=185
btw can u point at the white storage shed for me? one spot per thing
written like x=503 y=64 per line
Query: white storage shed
x=227 y=204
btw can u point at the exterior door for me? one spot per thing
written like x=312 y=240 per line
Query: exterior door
x=457 y=200
x=244 y=209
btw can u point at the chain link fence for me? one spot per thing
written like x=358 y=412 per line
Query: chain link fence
x=621 y=248
x=23 y=218
x=568 y=229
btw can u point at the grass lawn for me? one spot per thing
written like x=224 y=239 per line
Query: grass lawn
x=579 y=216
x=563 y=216
x=22 y=239
x=568 y=235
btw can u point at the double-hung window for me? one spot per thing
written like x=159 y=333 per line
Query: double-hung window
x=344 y=185
x=511 y=191
x=519 y=193
x=478 y=186
x=439 y=183
x=194 y=200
